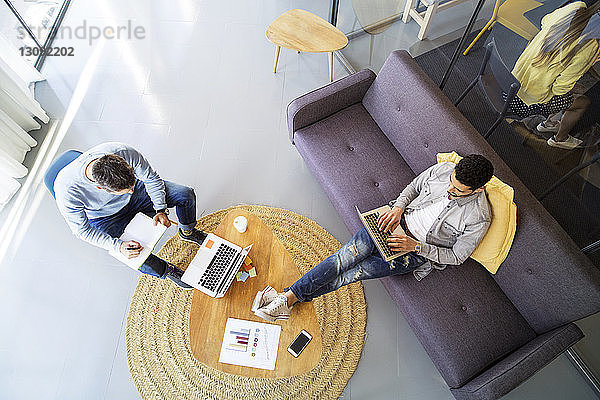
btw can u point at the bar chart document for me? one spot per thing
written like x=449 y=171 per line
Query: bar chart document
x=250 y=344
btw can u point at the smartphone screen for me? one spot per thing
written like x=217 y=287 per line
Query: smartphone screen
x=299 y=343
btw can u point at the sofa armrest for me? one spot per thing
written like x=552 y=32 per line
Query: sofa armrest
x=327 y=100
x=520 y=365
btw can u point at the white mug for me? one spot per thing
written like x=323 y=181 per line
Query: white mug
x=240 y=224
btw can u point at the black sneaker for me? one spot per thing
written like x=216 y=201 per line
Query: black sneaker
x=174 y=274
x=196 y=236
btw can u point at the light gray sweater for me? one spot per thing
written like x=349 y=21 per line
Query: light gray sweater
x=460 y=226
x=79 y=199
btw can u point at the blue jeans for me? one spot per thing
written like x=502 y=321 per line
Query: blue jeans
x=357 y=260
x=181 y=197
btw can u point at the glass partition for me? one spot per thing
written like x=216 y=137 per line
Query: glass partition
x=565 y=180
x=31 y=25
x=377 y=27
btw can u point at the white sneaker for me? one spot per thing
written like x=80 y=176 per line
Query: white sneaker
x=263 y=298
x=568 y=144
x=276 y=309
x=543 y=128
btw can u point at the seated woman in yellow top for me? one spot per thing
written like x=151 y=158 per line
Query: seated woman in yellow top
x=565 y=48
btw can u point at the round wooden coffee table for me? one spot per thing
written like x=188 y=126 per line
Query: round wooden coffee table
x=274 y=267
x=304 y=31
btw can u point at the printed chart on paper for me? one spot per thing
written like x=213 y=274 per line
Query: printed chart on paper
x=250 y=344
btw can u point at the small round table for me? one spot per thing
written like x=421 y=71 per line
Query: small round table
x=275 y=266
x=301 y=30
x=173 y=336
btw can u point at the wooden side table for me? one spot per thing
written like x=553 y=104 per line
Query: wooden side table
x=301 y=30
x=274 y=267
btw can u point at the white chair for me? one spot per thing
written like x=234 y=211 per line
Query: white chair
x=424 y=18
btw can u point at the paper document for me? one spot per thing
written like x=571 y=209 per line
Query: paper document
x=250 y=344
x=142 y=230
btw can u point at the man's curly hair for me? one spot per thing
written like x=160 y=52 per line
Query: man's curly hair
x=113 y=173
x=474 y=171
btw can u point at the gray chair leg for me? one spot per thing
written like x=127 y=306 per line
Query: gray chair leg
x=493 y=127
x=590 y=248
x=371 y=49
x=569 y=174
x=467 y=90
x=523 y=141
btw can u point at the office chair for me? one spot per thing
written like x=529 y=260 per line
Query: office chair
x=495 y=78
x=57 y=165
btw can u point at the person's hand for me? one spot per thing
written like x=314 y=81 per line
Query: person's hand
x=131 y=249
x=389 y=220
x=402 y=243
x=163 y=219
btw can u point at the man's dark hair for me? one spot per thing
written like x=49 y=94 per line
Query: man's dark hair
x=113 y=173
x=474 y=171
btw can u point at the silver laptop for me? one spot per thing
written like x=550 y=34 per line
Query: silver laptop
x=213 y=268
x=369 y=220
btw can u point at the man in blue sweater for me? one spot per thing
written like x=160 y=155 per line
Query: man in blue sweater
x=101 y=191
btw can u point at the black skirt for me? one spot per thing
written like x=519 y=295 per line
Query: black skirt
x=555 y=105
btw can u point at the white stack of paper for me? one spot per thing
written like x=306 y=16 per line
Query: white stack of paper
x=250 y=344
x=142 y=230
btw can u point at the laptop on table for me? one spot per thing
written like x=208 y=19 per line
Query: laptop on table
x=215 y=265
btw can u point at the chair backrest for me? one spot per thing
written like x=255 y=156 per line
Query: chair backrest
x=57 y=165
x=496 y=78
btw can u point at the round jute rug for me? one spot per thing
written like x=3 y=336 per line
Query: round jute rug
x=157 y=335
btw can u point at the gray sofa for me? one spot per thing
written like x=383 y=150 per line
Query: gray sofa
x=365 y=138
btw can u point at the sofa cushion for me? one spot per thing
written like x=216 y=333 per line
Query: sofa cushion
x=494 y=247
x=463 y=319
x=416 y=116
x=354 y=162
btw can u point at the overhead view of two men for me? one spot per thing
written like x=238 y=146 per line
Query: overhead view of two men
x=444 y=212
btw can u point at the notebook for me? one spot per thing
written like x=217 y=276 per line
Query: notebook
x=142 y=230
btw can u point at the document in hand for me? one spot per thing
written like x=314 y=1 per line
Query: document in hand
x=142 y=230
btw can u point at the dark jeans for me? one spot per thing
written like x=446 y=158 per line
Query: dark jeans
x=357 y=260
x=181 y=197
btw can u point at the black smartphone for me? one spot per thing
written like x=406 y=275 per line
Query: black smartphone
x=299 y=343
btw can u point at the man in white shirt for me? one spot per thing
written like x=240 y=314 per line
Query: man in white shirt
x=445 y=214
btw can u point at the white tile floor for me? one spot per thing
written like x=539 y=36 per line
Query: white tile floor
x=198 y=98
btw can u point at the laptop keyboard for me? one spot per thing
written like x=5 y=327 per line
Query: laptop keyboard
x=380 y=237
x=216 y=269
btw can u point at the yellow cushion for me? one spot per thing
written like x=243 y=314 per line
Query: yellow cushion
x=494 y=247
